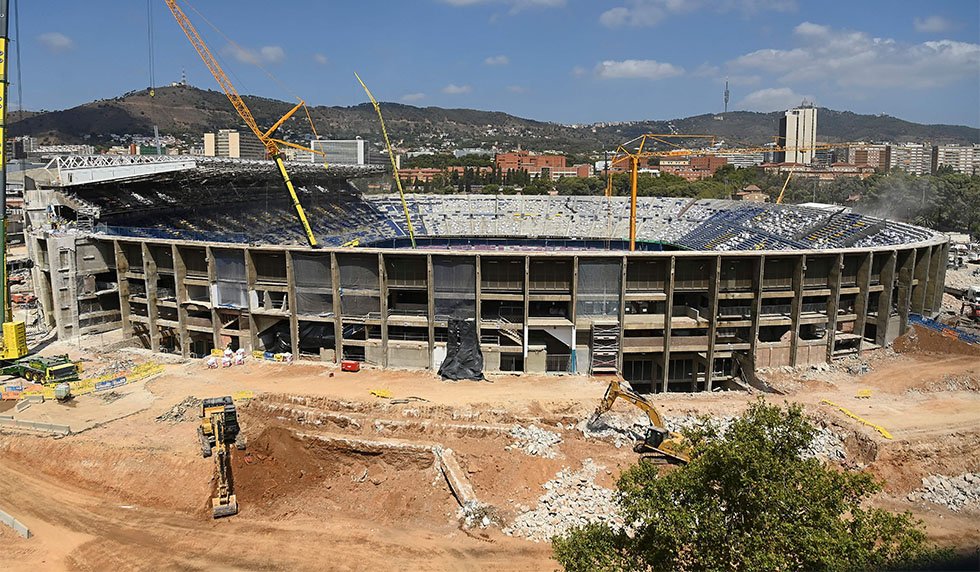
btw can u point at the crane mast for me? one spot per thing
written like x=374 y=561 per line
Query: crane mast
x=271 y=144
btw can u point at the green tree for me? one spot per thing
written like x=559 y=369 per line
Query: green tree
x=749 y=500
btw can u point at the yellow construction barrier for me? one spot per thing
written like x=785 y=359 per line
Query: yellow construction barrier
x=382 y=393
x=884 y=432
x=243 y=395
x=863 y=394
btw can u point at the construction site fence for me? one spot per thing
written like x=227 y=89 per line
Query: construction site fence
x=948 y=331
x=85 y=386
x=15 y=524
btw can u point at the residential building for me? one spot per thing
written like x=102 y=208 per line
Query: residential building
x=341 y=151
x=875 y=155
x=798 y=135
x=530 y=162
x=962 y=158
x=913 y=158
x=230 y=143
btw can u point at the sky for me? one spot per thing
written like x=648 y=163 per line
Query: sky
x=567 y=61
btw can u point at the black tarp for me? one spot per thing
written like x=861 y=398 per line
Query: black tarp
x=464 y=360
x=312 y=337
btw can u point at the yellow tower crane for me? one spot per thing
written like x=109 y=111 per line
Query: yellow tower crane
x=271 y=144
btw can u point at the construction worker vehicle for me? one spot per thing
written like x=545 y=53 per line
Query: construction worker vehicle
x=970 y=308
x=219 y=430
x=659 y=441
x=40 y=369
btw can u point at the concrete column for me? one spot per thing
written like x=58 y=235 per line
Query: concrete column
x=622 y=317
x=122 y=267
x=796 y=307
x=668 y=317
x=923 y=261
x=936 y=259
x=251 y=341
x=431 y=304
x=888 y=272
x=861 y=301
x=905 y=273
x=939 y=276
x=212 y=286
x=478 y=304
x=291 y=304
x=757 y=303
x=527 y=289
x=338 y=308
x=714 y=283
x=150 y=276
x=833 y=303
x=383 y=288
x=180 y=276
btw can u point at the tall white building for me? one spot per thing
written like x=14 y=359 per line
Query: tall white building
x=798 y=135
x=340 y=151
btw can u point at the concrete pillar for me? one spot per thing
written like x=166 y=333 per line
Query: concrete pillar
x=887 y=280
x=180 y=276
x=923 y=261
x=150 y=277
x=291 y=305
x=757 y=288
x=939 y=276
x=714 y=283
x=906 y=271
x=796 y=307
x=936 y=259
x=861 y=300
x=122 y=268
x=668 y=318
x=833 y=303
x=338 y=307
x=431 y=304
x=383 y=288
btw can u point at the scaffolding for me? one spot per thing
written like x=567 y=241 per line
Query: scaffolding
x=605 y=347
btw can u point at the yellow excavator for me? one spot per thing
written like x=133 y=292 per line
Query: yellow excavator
x=659 y=441
x=219 y=430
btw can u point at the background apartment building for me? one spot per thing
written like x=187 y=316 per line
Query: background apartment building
x=798 y=135
x=230 y=143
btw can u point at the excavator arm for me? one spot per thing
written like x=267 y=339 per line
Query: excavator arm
x=658 y=438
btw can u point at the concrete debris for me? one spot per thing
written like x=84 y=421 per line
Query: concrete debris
x=954 y=493
x=474 y=514
x=176 y=413
x=572 y=499
x=535 y=441
x=626 y=430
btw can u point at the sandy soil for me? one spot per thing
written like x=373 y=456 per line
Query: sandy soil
x=128 y=492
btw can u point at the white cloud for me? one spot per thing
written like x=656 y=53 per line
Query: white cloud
x=56 y=42
x=413 y=97
x=453 y=89
x=855 y=59
x=932 y=24
x=320 y=59
x=262 y=56
x=516 y=89
x=706 y=70
x=637 y=69
x=772 y=99
x=497 y=60
x=579 y=71
x=648 y=13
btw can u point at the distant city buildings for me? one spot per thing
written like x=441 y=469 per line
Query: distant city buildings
x=550 y=166
x=230 y=143
x=798 y=135
x=341 y=151
x=693 y=168
x=961 y=158
x=875 y=155
x=913 y=158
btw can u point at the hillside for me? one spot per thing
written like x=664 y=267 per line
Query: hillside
x=187 y=112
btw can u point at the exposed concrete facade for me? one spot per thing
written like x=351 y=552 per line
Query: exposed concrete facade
x=681 y=320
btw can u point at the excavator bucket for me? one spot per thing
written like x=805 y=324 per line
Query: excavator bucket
x=220 y=509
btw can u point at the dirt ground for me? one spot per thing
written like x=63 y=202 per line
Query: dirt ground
x=126 y=491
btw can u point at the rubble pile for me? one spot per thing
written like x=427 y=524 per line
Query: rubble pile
x=112 y=368
x=954 y=493
x=474 y=514
x=571 y=499
x=625 y=430
x=535 y=441
x=176 y=413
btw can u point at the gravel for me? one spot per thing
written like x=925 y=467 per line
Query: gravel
x=535 y=441
x=572 y=499
x=954 y=493
x=176 y=413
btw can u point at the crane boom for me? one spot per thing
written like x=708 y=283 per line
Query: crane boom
x=271 y=144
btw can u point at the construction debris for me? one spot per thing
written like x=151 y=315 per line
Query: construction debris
x=572 y=499
x=535 y=441
x=954 y=493
x=176 y=413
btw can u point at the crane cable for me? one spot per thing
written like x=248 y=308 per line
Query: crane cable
x=391 y=155
x=149 y=41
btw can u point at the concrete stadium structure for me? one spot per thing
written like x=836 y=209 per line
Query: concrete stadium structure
x=186 y=255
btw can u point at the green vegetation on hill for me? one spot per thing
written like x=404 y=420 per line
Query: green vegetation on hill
x=188 y=112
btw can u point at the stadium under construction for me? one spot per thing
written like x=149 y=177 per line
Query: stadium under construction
x=187 y=254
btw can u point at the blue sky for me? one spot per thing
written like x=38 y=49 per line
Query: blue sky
x=570 y=61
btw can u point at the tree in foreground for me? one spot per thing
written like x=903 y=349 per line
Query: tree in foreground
x=749 y=500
